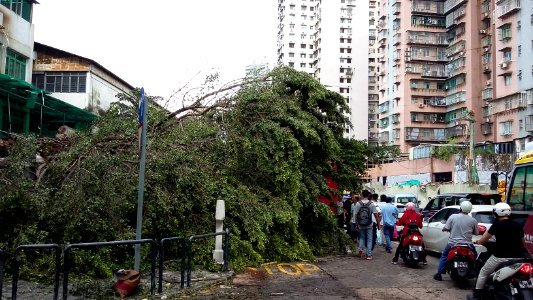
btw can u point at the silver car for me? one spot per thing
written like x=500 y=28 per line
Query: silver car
x=435 y=239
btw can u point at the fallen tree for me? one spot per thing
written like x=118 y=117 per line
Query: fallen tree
x=265 y=149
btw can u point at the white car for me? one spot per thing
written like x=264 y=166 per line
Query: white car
x=435 y=239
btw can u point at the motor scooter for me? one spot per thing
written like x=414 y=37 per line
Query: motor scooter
x=413 y=252
x=460 y=263
x=511 y=279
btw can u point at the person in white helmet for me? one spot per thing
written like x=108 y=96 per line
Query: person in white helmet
x=509 y=244
x=461 y=227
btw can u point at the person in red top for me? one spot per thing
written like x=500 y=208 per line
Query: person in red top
x=409 y=216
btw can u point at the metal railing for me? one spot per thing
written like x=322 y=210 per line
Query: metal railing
x=36 y=247
x=185 y=250
x=195 y=237
x=181 y=242
x=68 y=248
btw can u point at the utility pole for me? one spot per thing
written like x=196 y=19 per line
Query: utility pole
x=472 y=170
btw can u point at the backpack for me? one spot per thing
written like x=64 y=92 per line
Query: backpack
x=364 y=216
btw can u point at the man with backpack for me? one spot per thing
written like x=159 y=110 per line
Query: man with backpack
x=362 y=213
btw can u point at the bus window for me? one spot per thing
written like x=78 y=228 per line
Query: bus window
x=516 y=194
x=528 y=191
x=521 y=194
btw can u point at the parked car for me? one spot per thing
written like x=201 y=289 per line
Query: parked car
x=440 y=201
x=435 y=239
x=402 y=199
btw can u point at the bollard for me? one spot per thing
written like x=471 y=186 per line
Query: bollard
x=218 y=253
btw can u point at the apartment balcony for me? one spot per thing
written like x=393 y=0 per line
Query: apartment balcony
x=396 y=119
x=383 y=137
x=455 y=98
x=437 y=101
x=485 y=7
x=396 y=134
x=486 y=128
x=455 y=65
x=373 y=136
x=454 y=17
x=486 y=94
x=382 y=35
x=427 y=38
x=414 y=134
x=451 y=4
x=507 y=7
x=396 y=8
x=384 y=123
x=456 y=131
x=455 y=48
x=396 y=39
x=383 y=107
x=434 y=72
x=427 y=7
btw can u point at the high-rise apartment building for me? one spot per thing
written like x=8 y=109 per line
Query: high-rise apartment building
x=448 y=65
x=373 y=75
x=324 y=39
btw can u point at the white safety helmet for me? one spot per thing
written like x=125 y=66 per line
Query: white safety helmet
x=501 y=209
x=466 y=206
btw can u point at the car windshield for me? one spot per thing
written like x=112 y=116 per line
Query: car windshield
x=485 y=199
x=405 y=200
x=484 y=217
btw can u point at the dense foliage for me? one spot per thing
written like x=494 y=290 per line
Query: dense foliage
x=267 y=154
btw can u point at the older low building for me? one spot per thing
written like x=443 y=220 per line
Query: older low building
x=76 y=80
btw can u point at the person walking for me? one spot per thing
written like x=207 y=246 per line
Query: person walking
x=374 y=221
x=348 y=204
x=340 y=212
x=389 y=214
x=461 y=227
x=362 y=218
x=509 y=244
x=409 y=216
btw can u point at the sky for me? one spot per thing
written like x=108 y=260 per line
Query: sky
x=162 y=44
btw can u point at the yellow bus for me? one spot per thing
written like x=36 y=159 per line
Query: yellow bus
x=519 y=194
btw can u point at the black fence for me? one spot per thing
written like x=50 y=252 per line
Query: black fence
x=185 y=249
x=202 y=236
x=17 y=266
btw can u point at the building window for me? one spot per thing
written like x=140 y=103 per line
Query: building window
x=504 y=32
x=291 y=54
x=507 y=55
x=303 y=46
x=291 y=45
x=291 y=64
x=20 y=7
x=507 y=80
x=506 y=128
x=15 y=65
x=519 y=50
x=61 y=82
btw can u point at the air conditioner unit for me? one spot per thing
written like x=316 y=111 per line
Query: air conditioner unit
x=488 y=83
x=486 y=14
x=421 y=105
x=504 y=65
x=482 y=31
x=486 y=49
x=487 y=120
x=461 y=53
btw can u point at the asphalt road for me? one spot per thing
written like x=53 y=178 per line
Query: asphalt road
x=340 y=277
